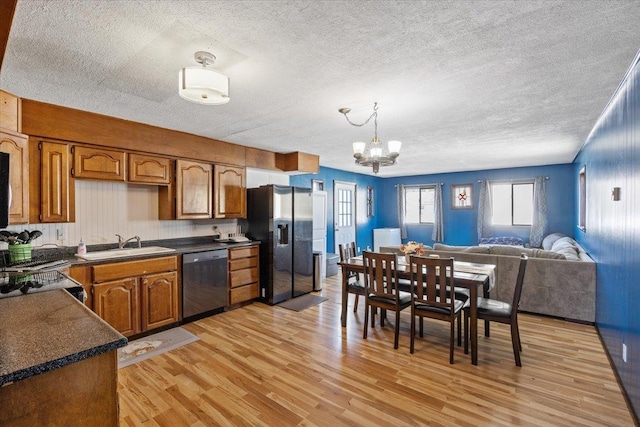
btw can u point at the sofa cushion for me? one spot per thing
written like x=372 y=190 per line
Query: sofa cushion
x=541 y=253
x=550 y=239
x=508 y=250
x=467 y=249
x=530 y=252
x=569 y=253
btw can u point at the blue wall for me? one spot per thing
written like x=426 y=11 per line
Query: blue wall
x=364 y=225
x=612 y=237
x=460 y=224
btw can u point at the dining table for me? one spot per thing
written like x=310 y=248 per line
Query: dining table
x=467 y=275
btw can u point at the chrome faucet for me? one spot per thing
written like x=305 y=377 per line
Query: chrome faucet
x=122 y=242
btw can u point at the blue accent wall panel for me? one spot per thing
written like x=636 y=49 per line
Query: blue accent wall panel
x=612 y=237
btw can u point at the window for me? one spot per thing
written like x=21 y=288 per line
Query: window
x=418 y=205
x=345 y=208
x=582 y=196
x=512 y=203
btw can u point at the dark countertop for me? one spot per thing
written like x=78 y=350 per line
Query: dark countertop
x=44 y=331
x=181 y=246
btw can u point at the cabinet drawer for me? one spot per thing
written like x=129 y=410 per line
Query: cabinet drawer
x=239 y=264
x=244 y=293
x=244 y=252
x=119 y=270
x=243 y=277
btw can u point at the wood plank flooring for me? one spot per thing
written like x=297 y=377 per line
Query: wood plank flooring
x=269 y=366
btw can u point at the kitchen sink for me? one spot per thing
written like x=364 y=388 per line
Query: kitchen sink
x=126 y=252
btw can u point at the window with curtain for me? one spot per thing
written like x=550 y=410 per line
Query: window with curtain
x=512 y=203
x=419 y=205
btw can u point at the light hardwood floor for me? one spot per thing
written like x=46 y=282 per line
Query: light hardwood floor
x=269 y=366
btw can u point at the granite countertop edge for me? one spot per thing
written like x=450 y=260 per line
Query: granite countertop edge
x=62 y=361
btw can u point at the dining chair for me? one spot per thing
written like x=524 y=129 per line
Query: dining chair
x=354 y=284
x=381 y=290
x=431 y=283
x=502 y=312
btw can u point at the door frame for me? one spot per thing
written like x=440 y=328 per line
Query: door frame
x=354 y=212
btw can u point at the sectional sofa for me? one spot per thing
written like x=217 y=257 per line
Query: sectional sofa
x=560 y=281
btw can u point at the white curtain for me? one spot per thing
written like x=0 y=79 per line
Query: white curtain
x=485 y=211
x=403 y=226
x=438 y=226
x=539 y=223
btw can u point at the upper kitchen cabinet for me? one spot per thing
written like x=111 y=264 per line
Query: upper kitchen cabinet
x=230 y=192
x=16 y=146
x=190 y=193
x=51 y=188
x=144 y=169
x=10 y=112
x=98 y=163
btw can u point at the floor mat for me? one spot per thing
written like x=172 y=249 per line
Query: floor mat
x=153 y=345
x=302 y=302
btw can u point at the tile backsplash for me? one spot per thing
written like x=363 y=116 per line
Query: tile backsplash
x=106 y=208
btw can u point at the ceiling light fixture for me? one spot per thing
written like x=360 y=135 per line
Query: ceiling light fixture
x=374 y=154
x=203 y=85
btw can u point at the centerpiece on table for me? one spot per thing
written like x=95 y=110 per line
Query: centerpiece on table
x=411 y=248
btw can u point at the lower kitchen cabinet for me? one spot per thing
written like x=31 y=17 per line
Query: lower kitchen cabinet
x=244 y=274
x=137 y=296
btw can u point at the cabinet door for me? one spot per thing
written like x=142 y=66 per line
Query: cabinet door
x=159 y=298
x=55 y=191
x=194 y=192
x=118 y=304
x=98 y=163
x=230 y=192
x=149 y=169
x=18 y=150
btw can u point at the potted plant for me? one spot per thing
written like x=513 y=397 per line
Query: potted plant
x=19 y=243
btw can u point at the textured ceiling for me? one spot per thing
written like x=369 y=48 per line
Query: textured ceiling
x=465 y=85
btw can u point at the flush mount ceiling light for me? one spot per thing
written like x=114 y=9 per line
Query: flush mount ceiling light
x=203 y=85
x=374 y=154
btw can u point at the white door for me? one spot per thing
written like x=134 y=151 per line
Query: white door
x=344 y=213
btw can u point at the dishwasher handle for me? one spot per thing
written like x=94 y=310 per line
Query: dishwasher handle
x=204 y=256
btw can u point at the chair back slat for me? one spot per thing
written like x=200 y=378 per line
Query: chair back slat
x=517 y=293
x=380 y=276
x=430 y=280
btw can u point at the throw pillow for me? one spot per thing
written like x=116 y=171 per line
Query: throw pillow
x=550 y=239
x=569 y=253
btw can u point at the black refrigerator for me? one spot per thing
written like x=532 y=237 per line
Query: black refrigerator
x=281 y=217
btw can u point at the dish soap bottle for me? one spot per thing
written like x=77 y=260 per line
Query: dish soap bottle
x=82 y=248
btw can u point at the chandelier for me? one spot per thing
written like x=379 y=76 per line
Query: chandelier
x=375 y=154
x=203 y=85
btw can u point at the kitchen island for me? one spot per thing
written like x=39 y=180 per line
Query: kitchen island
x=58 y=362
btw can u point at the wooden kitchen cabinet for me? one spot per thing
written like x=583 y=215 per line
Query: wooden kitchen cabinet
x=117 y=303
x=159 y=300
x=230 y=192
x=137 y=296
x=190 y=193
x=98 y=163
x=144 y=169
x=16 y=146
x=244 y=274
x=51 y=188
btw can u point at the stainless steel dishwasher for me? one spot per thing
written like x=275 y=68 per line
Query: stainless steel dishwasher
x=204 y=283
